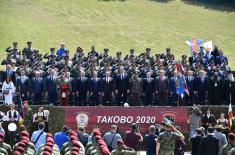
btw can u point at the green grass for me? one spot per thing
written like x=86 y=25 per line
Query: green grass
x=119 y=25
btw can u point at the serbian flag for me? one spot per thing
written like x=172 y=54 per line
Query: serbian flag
x=230 y=116
x=193 y=45
x=179 y=67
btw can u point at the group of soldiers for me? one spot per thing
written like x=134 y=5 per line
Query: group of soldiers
x=100 y=79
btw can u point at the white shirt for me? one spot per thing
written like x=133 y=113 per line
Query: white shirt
x=13 y=112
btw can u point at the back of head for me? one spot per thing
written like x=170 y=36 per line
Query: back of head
x=65 y=129
x=81 y=128
x=152 y=129
x=210 y=130
x=134 y=127
x=41 y=125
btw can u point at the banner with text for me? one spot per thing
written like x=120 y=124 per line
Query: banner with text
x=123 y=117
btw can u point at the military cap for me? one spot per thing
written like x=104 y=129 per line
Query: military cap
x=96 y=132
x=66 y=51
x=15 y=43
x=21 y=144
x=105 y=151
x=75 y=149
x=168 y=49
x=16 y=153
x=106 y=49
x=201 y=53
x=50 y=140
x=46 y=153
x=20 y=149
x=1 y=137
x=157 y=55
x=184 y=56
x=132 y=50
x=72 y=133
x=72 y=137
x=119 y=53
x=52 y=49
x=48 y=148
x=26 y=142
x=24 y=133
x=198 y=129
x=97 y=137
x=49 y=144
x=75 y=143
x=29 y=42
x=49 y=135
x=74 y=153
x=120 y=142
x=148 y=49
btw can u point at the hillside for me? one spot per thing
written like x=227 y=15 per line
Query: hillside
x=119 y=25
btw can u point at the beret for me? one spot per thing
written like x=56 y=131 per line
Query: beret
x=96 y=132
x=120 y=142
x=46 y=153
x=20 y=149
x=16 y=153
x=24 y=133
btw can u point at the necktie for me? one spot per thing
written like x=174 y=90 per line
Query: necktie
x=107 y=79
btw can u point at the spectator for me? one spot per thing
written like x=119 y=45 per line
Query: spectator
x=39 y=136
x=150 y=141
x=227 y=147
x=1 y=129
x=220 y=136
x=208 y=119
x=4 y=148
x=27 y=116
x=195 y=141
x=133 y=137
x=194 y=120
x=222 y=121
x=111 y=138
x=122 y=149
x=61 y=137
x=82 y=135
x=209 y=145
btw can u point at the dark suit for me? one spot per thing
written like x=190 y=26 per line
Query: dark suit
x=195 y=143
x=172 y=90
x=122 y=85
x=206 y=122
x=229 y=87
x=161 y=86
x=22 y=87
x=192 y=60
x=148 y=90
x=107 y=89
x=37 y=90
x=190 y=83
x=221 y=59
x=95 y=87
x=201 y=86
x=82 y=89
x=209 y=146
x=50 y=87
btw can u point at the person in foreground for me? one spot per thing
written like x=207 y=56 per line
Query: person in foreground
x=166 y=140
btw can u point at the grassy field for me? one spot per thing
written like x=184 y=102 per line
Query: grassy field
x=119 y=25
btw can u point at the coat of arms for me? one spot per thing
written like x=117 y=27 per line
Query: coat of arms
x=82 y=119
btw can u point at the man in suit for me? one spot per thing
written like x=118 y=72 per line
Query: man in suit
x=95 y=89
x=37 y=88
x=122 y=87
x=148 y=89
x=22 y=86
x=172 y=89
x=161 y=88
x=193 y=58
x=229 y=86
x=190 y=83
x=107 y=89
x=9 y=72
x=221 y=59
x=195 y=141
x=201 y=87
x=50 y=87
x=208 y=119
x=209 y=145
x=82 y=89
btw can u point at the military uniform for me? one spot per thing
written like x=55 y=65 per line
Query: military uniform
x=55 y=150
x=226 y=148
x=4 y=147
x=28 y=118
x=123 y=152
x=167 y=142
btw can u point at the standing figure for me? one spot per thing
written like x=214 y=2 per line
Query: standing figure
x=8 y=90
x=50 y=87
x=22 y=86
x=148 y=89
x=37 y=88
x=64 y=87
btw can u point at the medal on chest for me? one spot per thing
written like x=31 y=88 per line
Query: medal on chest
x=215 y=84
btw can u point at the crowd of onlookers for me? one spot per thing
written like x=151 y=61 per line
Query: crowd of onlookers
x=97 y=78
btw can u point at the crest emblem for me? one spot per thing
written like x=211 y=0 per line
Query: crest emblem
x=82 y=119
x=169 y=117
